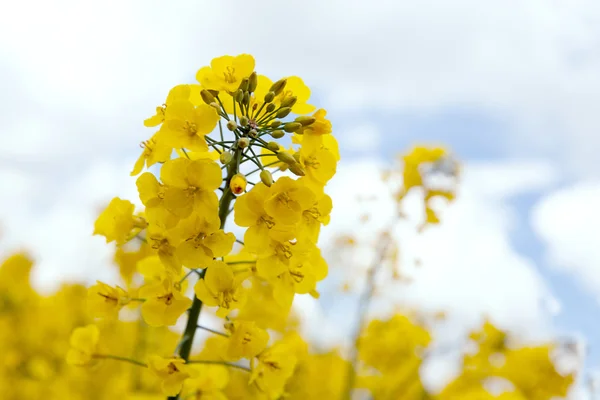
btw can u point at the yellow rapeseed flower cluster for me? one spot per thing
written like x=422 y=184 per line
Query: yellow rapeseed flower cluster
x=208 y=135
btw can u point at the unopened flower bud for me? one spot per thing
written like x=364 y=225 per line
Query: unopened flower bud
x=289 y=101
x=253 y=133
x=252 y=82
x=292 y=126
x=239 y=95
x=277 y=134
x=238 y=184
x=246 y=99
x=215 y=105
x=243 y=142
x=297 y=169
x=269 y=97
x=305 y=120
x=244 y=120
x=244 y=84
x=225 y=157
x=275 y=123
x=283 y=112
x=273 y=146
x=278 y=86
x=296 y=156
x=286 y=158
x=207 y=96
x=231 y=125
x=270 y=107
x=266 y=177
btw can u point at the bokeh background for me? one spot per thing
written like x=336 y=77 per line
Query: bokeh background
x=511 y=87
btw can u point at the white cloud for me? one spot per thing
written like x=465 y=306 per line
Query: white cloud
x=532 y=63
x=567 y=221
x=469 y=266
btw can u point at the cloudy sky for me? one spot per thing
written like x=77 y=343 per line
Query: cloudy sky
x=511 y=87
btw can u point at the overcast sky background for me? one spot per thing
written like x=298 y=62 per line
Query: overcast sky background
x=511 y=87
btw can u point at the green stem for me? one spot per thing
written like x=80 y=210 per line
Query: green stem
x=119 y=358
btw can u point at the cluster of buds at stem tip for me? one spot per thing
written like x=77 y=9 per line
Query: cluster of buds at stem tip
x=292 y=163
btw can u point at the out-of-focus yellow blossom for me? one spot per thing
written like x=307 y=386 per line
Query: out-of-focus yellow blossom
x=220 y=288
x=84 y=341
x=534 y=374
x=208 y=384
x=105 y=301
x=226 y=73
x=172 y=372
x=246 y=340
x=116 y=222
x=163 y=304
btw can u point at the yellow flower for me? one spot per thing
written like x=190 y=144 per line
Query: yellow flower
x=295 y=87
x=165 y=244
x=238 y=184
x=301 y=276
x=172 y=372
x=320 y=166
x=263 y=307
x=288 y=200
x=246 y=340
x=186 y=125
x=226 y=73
x=202 y=240
x=249 y=211
x=220 y=288
x=275 y=259
x=211 y=380
x=313 y=218
x=321 y=126
x=179 y=92
x=105 y=301
x=83 y=341
x=164 y=303
x=116 y=222
x=152 y=194
x=154 y=151
x=273 y=368
x=190 y=186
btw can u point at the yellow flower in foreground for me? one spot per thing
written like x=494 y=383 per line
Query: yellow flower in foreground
x=116 y=221
x=288 y=200
x=220 y=288
x=84 y=341
x=105 y=301
x=208 y=384
x=172 y=372
x=155 y=150
x=186 y=125
x=164 y=303
x=274 y=367
x=226 y=73
x=179 y=92
x=246 y=340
